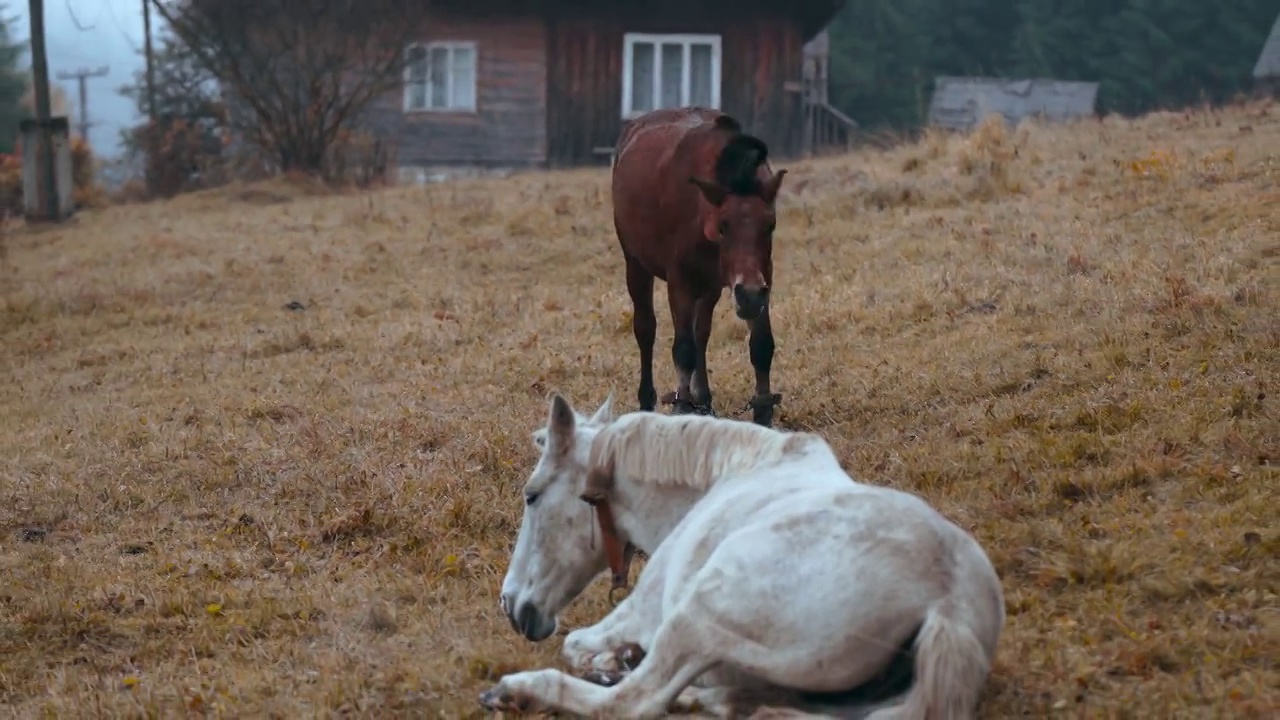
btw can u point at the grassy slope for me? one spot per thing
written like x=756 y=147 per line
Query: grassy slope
x=1065 y=338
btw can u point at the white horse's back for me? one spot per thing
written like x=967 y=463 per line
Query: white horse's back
x=802 y=558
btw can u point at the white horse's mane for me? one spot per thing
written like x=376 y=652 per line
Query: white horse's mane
x=690 y=450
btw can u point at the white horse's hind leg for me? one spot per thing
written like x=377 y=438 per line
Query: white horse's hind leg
x=716 y=702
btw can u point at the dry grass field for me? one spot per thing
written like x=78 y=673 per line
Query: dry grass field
x=1066 y=338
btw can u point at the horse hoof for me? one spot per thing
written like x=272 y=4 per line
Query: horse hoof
x=630 y=656
x=498 y=701
x=686 y=406
x=762 y=408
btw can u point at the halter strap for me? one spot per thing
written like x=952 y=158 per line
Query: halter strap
x=618 y=552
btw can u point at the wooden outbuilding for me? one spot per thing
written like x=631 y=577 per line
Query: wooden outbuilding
x=1266 y=72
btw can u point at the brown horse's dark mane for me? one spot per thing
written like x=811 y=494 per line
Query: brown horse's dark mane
x=739 y=159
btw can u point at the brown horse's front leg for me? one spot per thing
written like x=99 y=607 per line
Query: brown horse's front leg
x=684 y=347
x=703 y=314
x=761 y=345
x=645 y=325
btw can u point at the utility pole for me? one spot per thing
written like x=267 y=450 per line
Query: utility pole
x=40 y=71
x=82 y=75
x=151 y=74
x=149 y=136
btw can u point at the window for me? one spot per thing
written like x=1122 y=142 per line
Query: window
x=661 y=71
x=440 y=76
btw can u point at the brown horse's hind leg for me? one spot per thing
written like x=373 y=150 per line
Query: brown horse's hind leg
x=704 y=313
x=645 y=325
x=761 y=345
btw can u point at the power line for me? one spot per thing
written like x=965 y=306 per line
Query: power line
x=76 y=21
x=120 y=28
x=151 y=72
x=82 y=76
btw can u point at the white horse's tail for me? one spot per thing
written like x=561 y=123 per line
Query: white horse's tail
x=951 y=667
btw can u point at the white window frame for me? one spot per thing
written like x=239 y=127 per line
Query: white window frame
x=630 y=40
x=451 y=46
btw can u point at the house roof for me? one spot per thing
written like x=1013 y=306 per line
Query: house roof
x=1269 y=60
x=814 y=15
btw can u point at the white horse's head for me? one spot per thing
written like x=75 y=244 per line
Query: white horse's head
x=555 y=557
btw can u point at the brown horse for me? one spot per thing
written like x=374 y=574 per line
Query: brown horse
x=693 y=205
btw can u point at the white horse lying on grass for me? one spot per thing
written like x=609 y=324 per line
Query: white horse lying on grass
x=774 y=579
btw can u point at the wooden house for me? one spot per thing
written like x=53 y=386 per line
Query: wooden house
x=510 y=84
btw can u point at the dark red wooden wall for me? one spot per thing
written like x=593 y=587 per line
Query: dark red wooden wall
x=760 y=52
x=550 y=75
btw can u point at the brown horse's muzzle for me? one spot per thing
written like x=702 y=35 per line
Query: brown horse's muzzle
x=749 y=302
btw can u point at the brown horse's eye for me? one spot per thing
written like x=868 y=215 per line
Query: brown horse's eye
x=724 y=227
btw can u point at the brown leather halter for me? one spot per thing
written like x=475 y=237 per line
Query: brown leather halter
x=618 y=553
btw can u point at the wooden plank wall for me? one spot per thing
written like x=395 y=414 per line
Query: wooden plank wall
x=584 y=92
x=760 y=52
x=509 y=126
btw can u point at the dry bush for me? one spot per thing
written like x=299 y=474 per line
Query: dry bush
x=987 y=156
x=360 y=159
x=181 y=156
x=261 y=452
x=946 y=169
x=11 y=184
x=133 y=190
x=87 y=192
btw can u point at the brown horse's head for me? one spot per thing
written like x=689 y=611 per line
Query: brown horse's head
x=740 y=217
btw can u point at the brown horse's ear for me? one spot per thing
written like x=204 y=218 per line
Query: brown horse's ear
x=600 y=482
x=711 y=191
x=769 y=190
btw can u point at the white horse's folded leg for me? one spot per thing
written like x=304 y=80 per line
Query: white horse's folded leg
x=713 y=701
x=679 y=655
x=551 y=690
x=543 y=690
x=595 y=647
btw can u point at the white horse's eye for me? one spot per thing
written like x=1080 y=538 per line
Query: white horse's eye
x=530 y=498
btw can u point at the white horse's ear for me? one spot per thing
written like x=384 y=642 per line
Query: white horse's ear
x=604 y=413
x=562 y=421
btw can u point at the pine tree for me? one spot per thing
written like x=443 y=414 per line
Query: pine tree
x=1145 y=54
x=877 y=57
x=13 y=84
x=1173 y=53
x=1052 y=37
